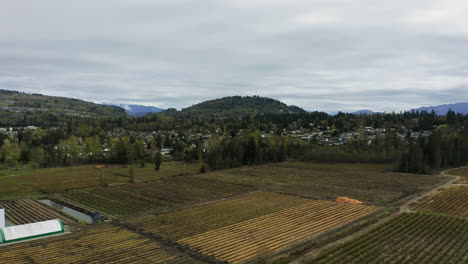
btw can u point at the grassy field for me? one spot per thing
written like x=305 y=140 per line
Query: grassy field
x=9 y=189
x=365 y=182
x=102 y=243
x=156 y=196
x=452 y=200
x=17 y=183
x=462 y=173
x=168 y=169
x=196 y=220
x=24 y=211
x=370 y=167
x=410 y=238
x=259 y=237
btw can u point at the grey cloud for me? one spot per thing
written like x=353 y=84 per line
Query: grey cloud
x=321 y=55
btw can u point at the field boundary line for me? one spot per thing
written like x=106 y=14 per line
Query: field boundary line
x=189 y=206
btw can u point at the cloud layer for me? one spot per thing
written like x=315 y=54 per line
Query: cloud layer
x=321 y=55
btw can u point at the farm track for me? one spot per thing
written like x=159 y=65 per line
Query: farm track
x=404 y=208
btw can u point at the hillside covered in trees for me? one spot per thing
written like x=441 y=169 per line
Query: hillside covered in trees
x=240 y=106
x=22 y=109
x=224 y=133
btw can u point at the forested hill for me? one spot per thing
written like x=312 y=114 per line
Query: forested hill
x=17 y=109
x=241 y=105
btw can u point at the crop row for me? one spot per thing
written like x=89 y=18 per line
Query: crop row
x=410 y=238
x=265 y=235
x=196 y=220
x=96 y=244
x=462 y=173
x=451 y=200
x=368 y=186
x=23 y=211
x=133 y=199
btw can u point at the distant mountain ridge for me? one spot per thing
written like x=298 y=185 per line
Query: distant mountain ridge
x=359 y=112
x=443 y=109
x=138 y=110
x=364 y=112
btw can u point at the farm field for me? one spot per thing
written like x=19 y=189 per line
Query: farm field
x=452 y=200
x=9 y=189
x=409 y=238
x=102 y=243
x=370 y=167
x=59 y=179
x=24 y=211
x=145 y=197
x=262 y=236
x=462 y=173
x=328 y=181
x=14 y=182
x=192 y=221
x=168 y=169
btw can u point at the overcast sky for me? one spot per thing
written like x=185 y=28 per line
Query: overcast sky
x=321 y=55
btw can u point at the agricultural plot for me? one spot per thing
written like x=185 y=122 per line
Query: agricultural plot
x=410 y=238
x=319 y=181
x=24 y=211
x=343 y=167
x=462 y=173
x=452 y=200
x=59 y=179
x=262 y=236
x=156 y=196
x=65 y=178
x=9 y=189
x=168 y=169
x=95 y=244
x=196 y=220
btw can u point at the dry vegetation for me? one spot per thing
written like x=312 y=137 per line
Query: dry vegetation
x=255 y=225
x=96 y=244
x=452 y=200
x=265 y=235
x=196 y=220
x=144 y=197
x=462 y=173
x=24 y=211
x=359 y=181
